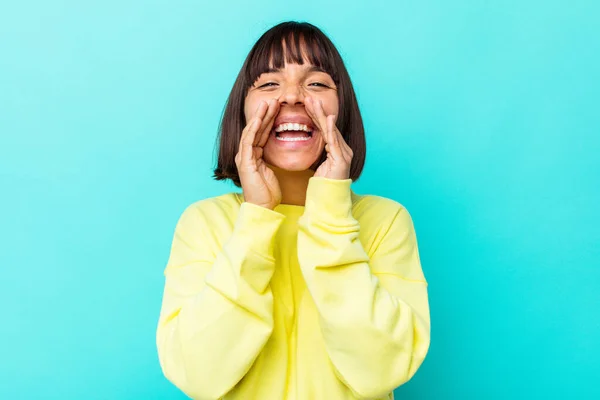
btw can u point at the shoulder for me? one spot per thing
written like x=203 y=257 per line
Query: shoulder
x=380 y=216
x=385 y=226
x=221 y=207
x=377 y=207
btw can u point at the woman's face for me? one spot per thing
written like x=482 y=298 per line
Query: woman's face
x=289 y=146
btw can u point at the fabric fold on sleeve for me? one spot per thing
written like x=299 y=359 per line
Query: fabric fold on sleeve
x=373 y=309
x=217 y=309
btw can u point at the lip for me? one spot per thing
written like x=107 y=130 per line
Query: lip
x=292 y=144
x=296 y=119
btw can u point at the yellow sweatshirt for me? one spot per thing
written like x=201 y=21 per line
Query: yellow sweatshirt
x=323 y=301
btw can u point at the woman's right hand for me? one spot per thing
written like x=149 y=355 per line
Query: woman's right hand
x=259 y=183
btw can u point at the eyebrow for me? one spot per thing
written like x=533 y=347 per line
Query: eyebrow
x=313 y=68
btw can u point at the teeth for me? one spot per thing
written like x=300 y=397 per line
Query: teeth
x=296 y=139
x=289 y=126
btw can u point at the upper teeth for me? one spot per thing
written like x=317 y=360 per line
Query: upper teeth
x=291 y=127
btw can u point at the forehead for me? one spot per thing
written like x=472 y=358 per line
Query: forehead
x=294 y=50
x=294 y=68
x=291 y=54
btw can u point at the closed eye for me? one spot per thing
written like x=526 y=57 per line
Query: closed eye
x=268 y=84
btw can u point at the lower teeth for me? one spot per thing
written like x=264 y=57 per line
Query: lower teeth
x=292 y=139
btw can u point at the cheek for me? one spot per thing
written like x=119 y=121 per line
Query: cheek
x=251 y=104
x=330 y=104
x=247 y=107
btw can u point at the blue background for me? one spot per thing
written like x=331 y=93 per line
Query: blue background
x=482 y=119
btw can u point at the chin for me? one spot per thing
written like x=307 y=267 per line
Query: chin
x=291 y=163
x=295 y=159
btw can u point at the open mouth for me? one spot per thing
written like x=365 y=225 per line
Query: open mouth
x=293 y=132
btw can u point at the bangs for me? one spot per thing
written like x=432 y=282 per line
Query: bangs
x=292 y=43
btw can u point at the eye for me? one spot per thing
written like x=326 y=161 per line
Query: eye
x=318 y=84
x=268 y=84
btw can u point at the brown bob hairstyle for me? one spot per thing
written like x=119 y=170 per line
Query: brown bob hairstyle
x=289 y=39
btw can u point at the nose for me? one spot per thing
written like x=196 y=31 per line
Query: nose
x=292 y=95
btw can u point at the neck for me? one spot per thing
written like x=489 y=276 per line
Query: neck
x=293 y=185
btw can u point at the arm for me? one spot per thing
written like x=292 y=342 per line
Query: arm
x=374 y=310
x=216 y=313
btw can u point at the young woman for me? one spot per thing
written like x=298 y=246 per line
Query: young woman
x=297 y=287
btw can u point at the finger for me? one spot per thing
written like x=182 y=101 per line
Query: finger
x=243 y=138
x=324 y=120
x=270 y=120
x=345 y=152
x=261 y=112
x=333 y=139
x=247 y=140
x=246 y=131
x=249 y=132
x=346 y=147
x=311 y=107
x=269 y=113
x=339 y=139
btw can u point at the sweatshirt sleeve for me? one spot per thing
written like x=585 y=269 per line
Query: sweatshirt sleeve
x=217 y=307
x=373 y=308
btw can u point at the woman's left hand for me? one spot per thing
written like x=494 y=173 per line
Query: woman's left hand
x=339 y=154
